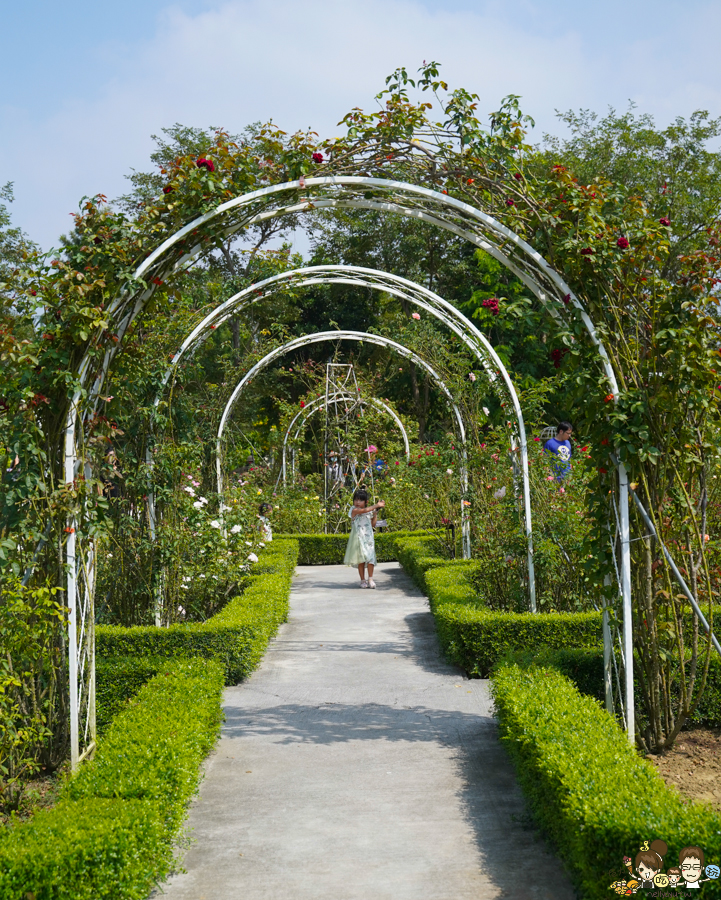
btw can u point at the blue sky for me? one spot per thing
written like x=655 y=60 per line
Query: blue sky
x=87 y=83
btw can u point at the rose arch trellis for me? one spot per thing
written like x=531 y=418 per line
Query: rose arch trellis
x=425 y=299
x=198 y=237
x=356 y=337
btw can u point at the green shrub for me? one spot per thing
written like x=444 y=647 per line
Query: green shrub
x=329 y=549
x=237 y=635
x=117 y=679
x=475 y=637
x=585 y=669
x=110 y=835
x=586 y=786
x=582 y=667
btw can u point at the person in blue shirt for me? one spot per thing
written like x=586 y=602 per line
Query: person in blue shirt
x=560 y=448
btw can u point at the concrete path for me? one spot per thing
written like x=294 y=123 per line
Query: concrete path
x=356 y=765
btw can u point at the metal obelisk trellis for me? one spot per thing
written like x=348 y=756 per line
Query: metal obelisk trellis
x=299 y=421
x=338 y=460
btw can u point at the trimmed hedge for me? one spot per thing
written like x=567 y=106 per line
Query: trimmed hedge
x=329 y=549
x=117 y=680
x=237 y=635
x=591 y=793
x=475 y=637
x=585 y=669
x=110 y=835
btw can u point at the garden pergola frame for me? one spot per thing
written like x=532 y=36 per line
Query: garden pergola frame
x=358 y=337
x=320 y=403
x=172 y=256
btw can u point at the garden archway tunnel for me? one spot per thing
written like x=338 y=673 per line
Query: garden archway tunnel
x=326 y=192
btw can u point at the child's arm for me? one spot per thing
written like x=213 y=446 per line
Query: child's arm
x=366 y=509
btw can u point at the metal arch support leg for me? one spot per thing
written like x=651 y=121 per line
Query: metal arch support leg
x=607 y=655
x=625 y=568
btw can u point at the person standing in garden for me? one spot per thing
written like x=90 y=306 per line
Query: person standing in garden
x=361 y=549
x=559 y=447
x=266 y=530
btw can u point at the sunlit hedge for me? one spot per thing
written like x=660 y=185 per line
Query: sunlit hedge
x=110 y=835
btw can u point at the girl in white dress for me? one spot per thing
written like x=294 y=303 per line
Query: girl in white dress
x=361 y=549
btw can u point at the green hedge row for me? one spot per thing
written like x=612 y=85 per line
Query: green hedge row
x=237 y=635
x=585 y=669
x=329 y=549
x=475 y=637
x=110 y=835
x=117 y=679
x=588 y=789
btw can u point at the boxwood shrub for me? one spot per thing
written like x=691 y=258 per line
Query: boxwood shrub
x=585 y=669
x=110 y=835
x=117 y=679
x=237 y=635
x=591 y=793
x=329 y=549
x=476 y=637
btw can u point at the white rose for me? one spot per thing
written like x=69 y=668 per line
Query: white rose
x=197 y=504
x=236 y=529
x=215 y=524
x=252 y=557
x=189 y=489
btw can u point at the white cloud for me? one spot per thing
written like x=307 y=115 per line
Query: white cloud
x=307 y=64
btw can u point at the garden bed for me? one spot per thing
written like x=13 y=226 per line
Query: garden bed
x=693 y=765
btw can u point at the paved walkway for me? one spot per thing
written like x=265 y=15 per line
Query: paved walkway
x=356 y=765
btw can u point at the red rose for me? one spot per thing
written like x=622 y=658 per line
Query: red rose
x=510 y=202
x=470 y=181
x=602 y=471
x=664 y=221
x=33 y=293
x=608 y=398
x=584 y=449
x=517 y=176
x=302 y=404
x=622 y=243
x=204 y=163
x=167 y=189
x=317 y=157
x=157 y=281
x=587 y=251
x=567 y=299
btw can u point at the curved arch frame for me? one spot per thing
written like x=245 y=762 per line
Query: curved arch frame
x=320 y=402
x=361 y=337
x=445 y=312
x=431 y=206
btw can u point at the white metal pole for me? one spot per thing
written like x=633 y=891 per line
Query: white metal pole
x=72 y=590
x=626 y=597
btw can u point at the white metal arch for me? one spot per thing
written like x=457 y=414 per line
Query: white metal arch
x=320 y=402
x=361 y=337
x=434 y=207
x=358 y=276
